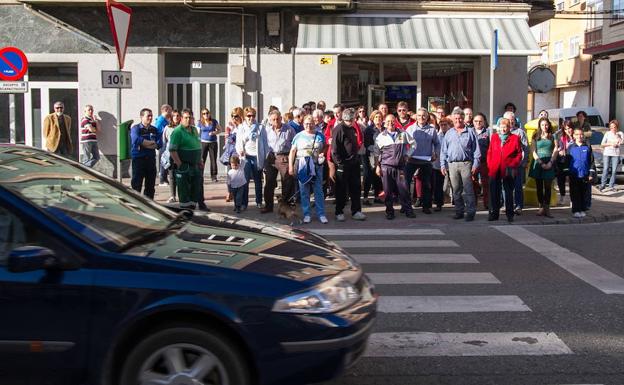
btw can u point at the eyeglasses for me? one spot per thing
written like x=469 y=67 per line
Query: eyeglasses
x=58 y=107
x=251 y=116
x=205 y=113
x=401 y=110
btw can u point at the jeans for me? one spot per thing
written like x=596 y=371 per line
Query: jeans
x=238 y=193
x=90 y=153
x=319 y=199
x=461 y=182
x=144 y=169
x=425 y=169
x=609 y=161
x=348 y=179
x=253 y=172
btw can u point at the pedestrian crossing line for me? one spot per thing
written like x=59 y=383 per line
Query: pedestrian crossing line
x=426 y=344
x=384 y=231
x=451 y=304
x=414 y=258
x=399 y=243
x=588 y=271
x=432 y=278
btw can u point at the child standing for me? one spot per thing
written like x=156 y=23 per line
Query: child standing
x=582 y=171
x=236 y=181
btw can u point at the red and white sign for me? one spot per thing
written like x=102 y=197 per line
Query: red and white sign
x=119 y=16
x=13 y=64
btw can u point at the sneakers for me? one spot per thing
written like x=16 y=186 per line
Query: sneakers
x=322 y=219
x=560 y=201
x=260 y=206
x=577 y=215
x=518 y=211
x=307 y=219
x=359 y=216
x=163 y=184
x=583 y=214
x=172 y=200
x=340 y=218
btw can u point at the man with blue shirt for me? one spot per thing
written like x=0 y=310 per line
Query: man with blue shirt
x=427 y=146
x=297 y=121
x=145 y=140
x=459 y=158
x=279 y=137
x=161 y=123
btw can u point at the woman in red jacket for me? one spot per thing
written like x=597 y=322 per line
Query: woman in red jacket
x=503 y=158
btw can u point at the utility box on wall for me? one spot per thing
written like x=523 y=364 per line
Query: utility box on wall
x=237 y=75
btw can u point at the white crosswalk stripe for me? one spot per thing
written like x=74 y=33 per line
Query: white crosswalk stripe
x=432 y=278
x=406 y=343
x=414 y=258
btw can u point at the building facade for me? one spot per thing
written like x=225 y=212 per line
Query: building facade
x=605 y=42
x=561 y=41
x=262 y=53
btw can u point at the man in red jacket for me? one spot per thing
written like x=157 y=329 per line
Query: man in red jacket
x=503 y=158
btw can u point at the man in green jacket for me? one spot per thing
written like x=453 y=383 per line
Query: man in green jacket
x=185 y=150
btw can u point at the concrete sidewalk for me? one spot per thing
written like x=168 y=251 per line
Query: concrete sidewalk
x=607 y=206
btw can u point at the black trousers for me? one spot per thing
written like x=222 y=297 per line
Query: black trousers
x=544 y=188
x=348 y=180
x=210 y=148
x=578 y=194
x=497 y=185
x=437 y=182
x=144 y=170
x=370 y=179
x=424 y=171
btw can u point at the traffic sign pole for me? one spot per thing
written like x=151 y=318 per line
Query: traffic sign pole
x=493 y=66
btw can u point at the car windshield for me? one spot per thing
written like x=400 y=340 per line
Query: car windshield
x=94 y=207
x=596 y=138
x=594 y=120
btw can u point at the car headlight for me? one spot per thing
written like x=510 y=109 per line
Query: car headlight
x=328 y=297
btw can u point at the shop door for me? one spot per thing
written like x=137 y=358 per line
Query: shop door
x=197 y=94
x=619 y=91
x=376 y=96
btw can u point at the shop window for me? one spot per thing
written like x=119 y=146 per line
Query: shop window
x=355 y=76
x=447 y=84
x=558 y=51
x=401 y=72
x=560 y=6
x=619 y=75
x=53 y=73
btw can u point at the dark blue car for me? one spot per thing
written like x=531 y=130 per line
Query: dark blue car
x=99 y=286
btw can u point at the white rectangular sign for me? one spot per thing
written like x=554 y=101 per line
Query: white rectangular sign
x=116 y=79
x=13 y=87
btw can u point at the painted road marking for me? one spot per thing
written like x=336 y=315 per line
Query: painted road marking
x=450 y=304
x=588 y=271
x=426 y=344
x=384 y=231
x=415 y=258
x=398 y=243
x=432 y=278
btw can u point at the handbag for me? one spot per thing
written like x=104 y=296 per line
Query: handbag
x=165 y=159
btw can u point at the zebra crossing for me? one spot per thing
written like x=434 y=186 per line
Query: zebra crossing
x=428 y=343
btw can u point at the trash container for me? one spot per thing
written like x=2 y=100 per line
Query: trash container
x=123 y=136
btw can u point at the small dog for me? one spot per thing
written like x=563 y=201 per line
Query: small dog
x=287 y=211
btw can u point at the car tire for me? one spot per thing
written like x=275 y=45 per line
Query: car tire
x=204 y=356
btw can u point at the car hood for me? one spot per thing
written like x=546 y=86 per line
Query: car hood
x=236 y=243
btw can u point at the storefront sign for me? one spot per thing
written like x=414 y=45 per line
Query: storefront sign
x=13 y=87
x=116 y=79
x=13 y=64
x=326 y=60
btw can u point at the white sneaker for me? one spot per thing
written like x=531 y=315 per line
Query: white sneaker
x=307 y=219
x=583 y=214
x=359 y=216
x=163 y=184
x=323 y=219
x=171 y=200
x=577 y=215
x=340 y=218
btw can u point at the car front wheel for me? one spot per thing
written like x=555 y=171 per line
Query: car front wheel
x=185 y=355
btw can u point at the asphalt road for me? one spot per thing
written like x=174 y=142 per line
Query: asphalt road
x=540 y=305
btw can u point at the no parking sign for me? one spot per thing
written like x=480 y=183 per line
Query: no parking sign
x=13 y=64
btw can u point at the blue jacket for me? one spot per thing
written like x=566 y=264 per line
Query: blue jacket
x=581 y=160
x=139 y=133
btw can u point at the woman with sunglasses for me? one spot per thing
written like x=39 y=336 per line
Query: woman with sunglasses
x=208 y=129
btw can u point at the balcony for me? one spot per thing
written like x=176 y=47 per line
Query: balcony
x=593 y=37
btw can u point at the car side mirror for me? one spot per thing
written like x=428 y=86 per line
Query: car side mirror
x=31 y=258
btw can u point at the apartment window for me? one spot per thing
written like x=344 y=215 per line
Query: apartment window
x=574 y=2
x=618 y=9
x=594 y=20
x=574 y=46
x=544 y=55
x=619 y=75
x=559 y=6
x=558 y=51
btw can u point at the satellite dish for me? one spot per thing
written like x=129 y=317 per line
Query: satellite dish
x=541 y=79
